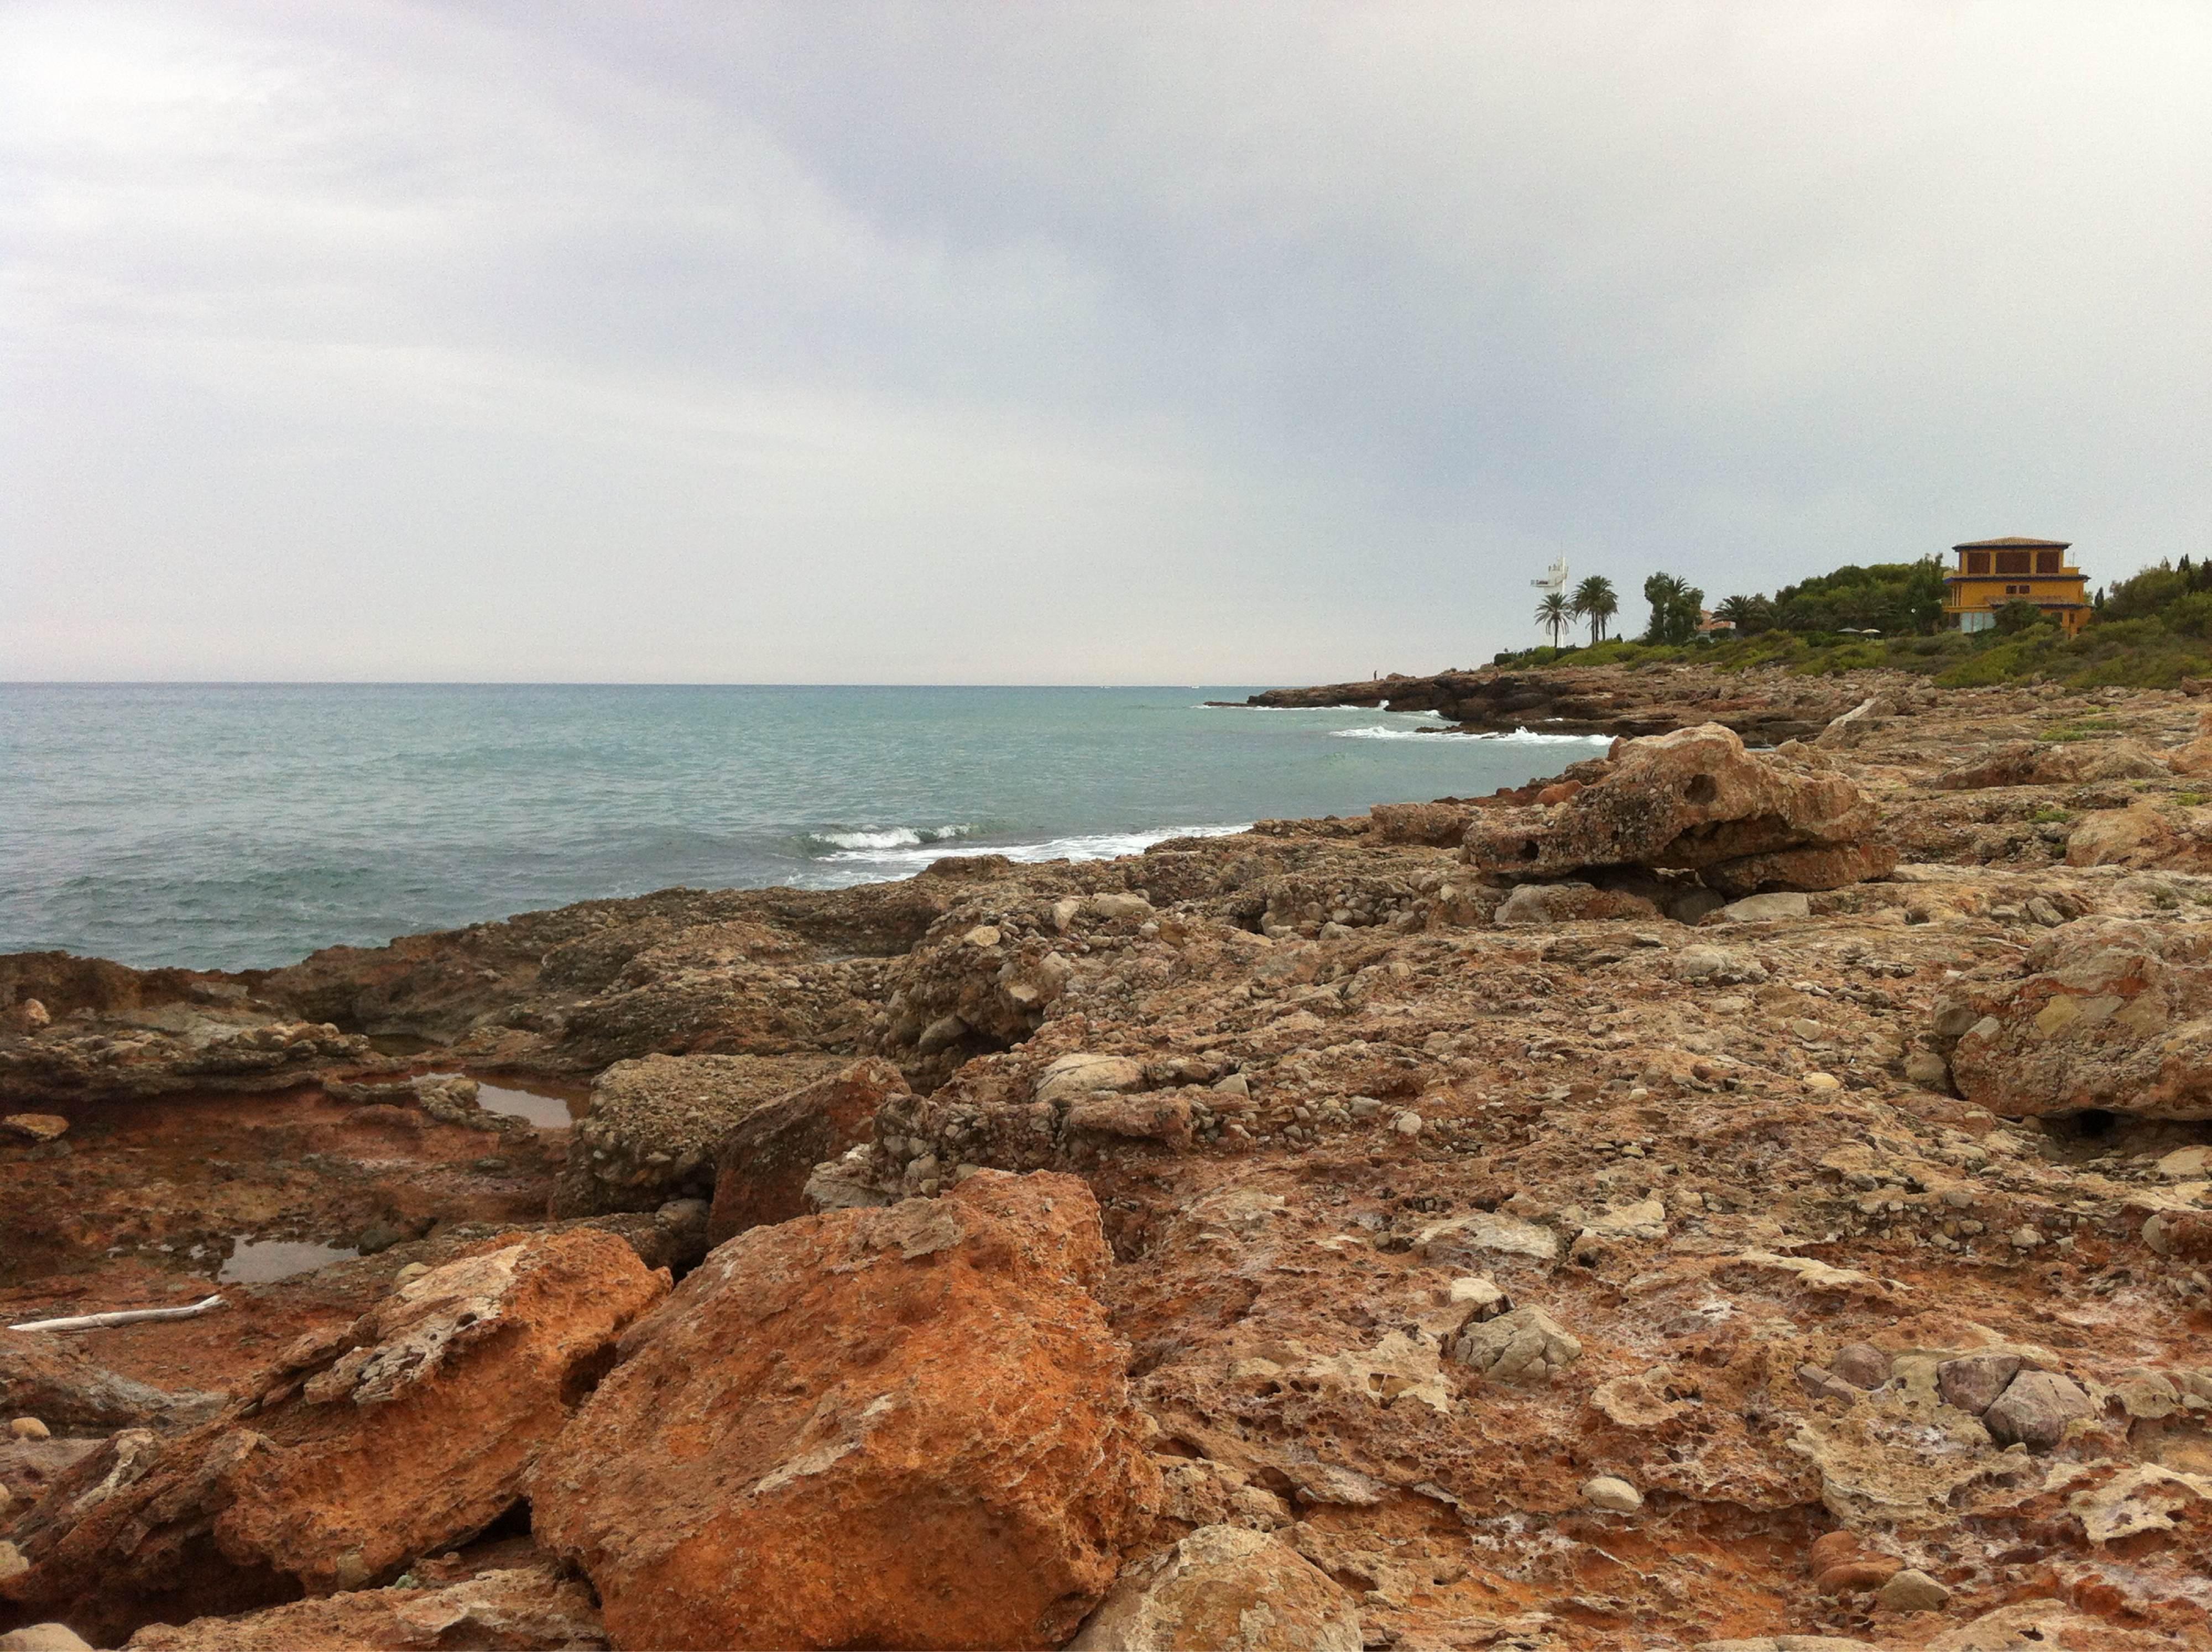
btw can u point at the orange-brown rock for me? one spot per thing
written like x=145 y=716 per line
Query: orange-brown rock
x=900 y=1427
x=361 y=1448
x=1842 y=1563
x=1685 y=801
x=2112 y=1015
x=2139 y=836
x=761 y=1166
x=530 y=1609
x=2033 y=763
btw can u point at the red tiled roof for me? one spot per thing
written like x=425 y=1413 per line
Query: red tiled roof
x=2013 y=542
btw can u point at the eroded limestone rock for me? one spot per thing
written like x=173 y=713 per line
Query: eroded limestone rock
x=361 y=1448
x=898 y=1427
x=1225 y=1588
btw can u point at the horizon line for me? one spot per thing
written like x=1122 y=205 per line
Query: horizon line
x=529 y=682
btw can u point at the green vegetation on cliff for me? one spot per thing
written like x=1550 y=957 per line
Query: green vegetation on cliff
x=2149 y=631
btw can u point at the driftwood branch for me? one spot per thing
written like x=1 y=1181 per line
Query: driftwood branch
x=122 y=1316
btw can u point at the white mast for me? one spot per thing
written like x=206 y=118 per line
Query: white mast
x=1554 y=580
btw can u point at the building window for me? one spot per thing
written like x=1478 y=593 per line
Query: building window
x=1977 y=620
x=2047 y=562
x=2012 y=561
x=1978 y=561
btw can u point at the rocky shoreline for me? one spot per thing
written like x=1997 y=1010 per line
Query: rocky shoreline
x=1718 y=1197
x=1766 y=708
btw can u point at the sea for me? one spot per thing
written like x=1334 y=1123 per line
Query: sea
x=241 y=826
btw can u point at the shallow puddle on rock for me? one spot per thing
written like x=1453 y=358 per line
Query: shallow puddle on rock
x=258 y=1261
x=547 y=1109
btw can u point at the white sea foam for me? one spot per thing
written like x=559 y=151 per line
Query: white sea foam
x=905 y=858
x=1518 y=737
x=866 y=839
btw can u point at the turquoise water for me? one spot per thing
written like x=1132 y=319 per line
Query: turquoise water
x=238 y=827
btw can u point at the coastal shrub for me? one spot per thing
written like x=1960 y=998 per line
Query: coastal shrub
x=2147 y=593
x=1889 y=597
x=2190 y=616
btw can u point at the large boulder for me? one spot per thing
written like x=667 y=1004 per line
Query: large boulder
x=2141 y=836
x=1226 y=1589
x=361 y=1448
x=902 y=1427
x=2034 y=762
x=2111 y=1016
x=651 y=1133
x=1689 y=801
x=763 y=1163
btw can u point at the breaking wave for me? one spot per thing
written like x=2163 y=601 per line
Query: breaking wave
x=867 y=862
x=834 y=843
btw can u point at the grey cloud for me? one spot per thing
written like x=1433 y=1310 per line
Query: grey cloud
x=1065 y=343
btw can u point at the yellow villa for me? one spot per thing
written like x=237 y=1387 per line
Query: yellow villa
x=1994 y=571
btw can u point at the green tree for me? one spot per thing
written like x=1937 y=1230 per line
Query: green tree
x=1749 y=615
x=1892 y=597
x=1677 y=606
x=1595 y=601
x=2146 y=594
x=2016 y=616
x=1555 y=614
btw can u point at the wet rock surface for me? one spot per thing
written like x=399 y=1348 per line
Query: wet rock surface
x=1561 y=1274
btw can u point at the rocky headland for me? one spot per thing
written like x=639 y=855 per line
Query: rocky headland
x=1752 y=1191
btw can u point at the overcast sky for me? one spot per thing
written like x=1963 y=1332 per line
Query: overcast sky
x=1056 y=343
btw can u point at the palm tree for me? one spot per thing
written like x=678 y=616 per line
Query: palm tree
x=1747 y=614
x=1554 y=614
x=1596 y=602
x=1675 y=607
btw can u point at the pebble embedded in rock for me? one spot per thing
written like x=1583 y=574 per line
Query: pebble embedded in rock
x=1224 y=1588
x=1612 y=1494
x=1912 y=1590
x=35 y=1127
x=29 y=1428
x=1842 y=1564
x=1825 y=1385
x=1526 y=1345
x=1407 y=1124
x=1861 y=1364
x=2034 y=1410
x=1973 y=1382
x=1929 y=1070
x=1823 y=1081
x=12 y=1564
